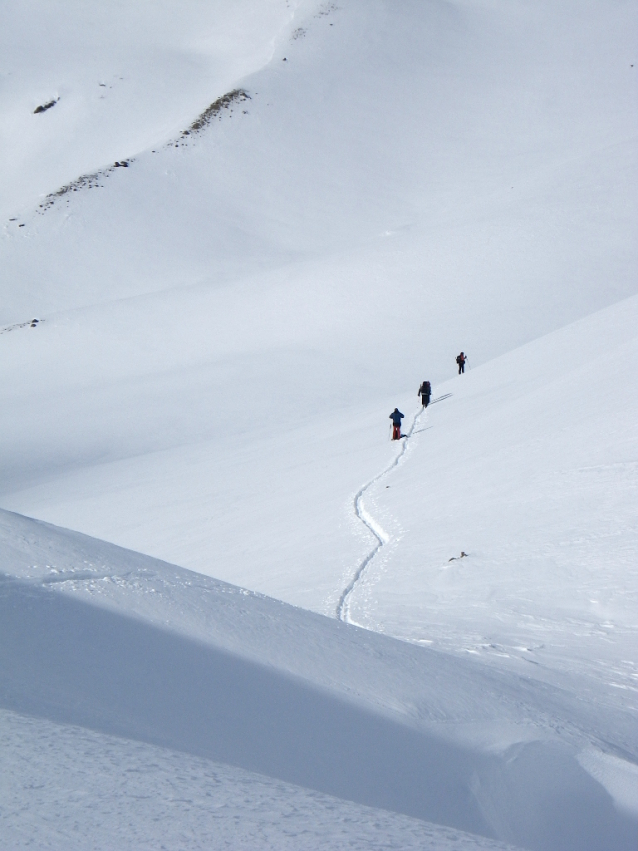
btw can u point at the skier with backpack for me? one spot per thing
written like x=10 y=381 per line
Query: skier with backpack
x=396 y=416
x=425 y=391
x=460 y=359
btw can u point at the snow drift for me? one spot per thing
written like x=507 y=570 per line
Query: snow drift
x=97 y=637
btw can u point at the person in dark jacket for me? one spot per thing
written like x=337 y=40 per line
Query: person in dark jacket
x=460 y=359
x=396 y=416
x=425 y=391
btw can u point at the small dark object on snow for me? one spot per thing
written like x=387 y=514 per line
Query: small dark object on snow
x=43 y=107
x=34 y=322
x=123 y=164
x=460 y=359
x=455 y=558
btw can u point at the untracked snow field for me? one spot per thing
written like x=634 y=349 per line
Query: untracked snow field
x=233 y=613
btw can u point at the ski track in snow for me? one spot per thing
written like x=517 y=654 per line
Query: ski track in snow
x=343 y=606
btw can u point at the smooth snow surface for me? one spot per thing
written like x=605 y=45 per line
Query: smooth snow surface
x=249 y=230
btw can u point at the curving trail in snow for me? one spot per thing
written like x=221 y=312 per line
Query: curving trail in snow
x=343 y=606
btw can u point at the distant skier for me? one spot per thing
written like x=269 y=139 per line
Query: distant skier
x=425 y=391
x=460 y=359
x=396 y=416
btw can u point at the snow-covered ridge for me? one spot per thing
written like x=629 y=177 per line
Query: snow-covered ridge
x=215 y=110
x=115 y=642
x=122 y=80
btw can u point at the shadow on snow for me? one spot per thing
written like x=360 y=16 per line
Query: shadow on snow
x=75 y=663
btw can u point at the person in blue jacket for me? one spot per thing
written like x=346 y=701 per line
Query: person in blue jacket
x=396 y=416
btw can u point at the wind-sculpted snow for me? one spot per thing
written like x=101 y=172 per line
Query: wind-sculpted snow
x=97 y=638
x=129 y=795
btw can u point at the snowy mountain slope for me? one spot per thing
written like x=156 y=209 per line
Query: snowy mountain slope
x=504 y=132
x=519 y=431
x=117 y=792
x=529 y=468
x=159 y=656
x=122 y=76
x=186 y=423
x=229 y=320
